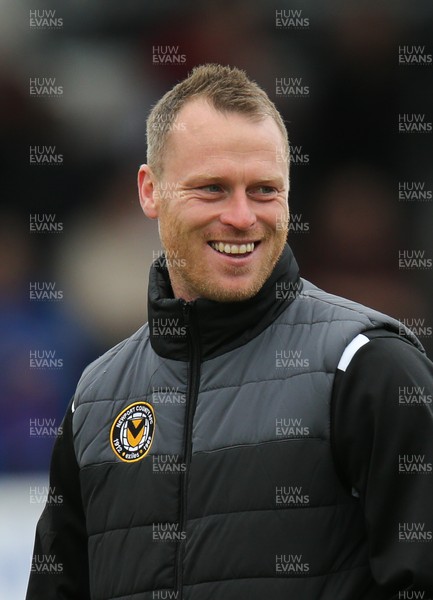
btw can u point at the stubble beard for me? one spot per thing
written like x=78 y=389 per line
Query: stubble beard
x=191 y=278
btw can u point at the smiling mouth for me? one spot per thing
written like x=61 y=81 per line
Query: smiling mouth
x=234 y=249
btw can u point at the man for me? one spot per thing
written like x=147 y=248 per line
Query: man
x=258 y=438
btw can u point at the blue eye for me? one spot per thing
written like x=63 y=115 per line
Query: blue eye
x=212 y=187
x=266 y=189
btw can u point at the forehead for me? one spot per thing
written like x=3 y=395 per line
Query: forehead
x=204 y=133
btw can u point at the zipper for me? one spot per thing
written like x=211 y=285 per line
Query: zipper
x=194 y=360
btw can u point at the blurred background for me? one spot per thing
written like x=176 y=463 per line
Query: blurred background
x=77 y=80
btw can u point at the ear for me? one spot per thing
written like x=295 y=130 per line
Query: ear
x=147 y=192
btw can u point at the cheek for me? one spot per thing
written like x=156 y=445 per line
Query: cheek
x=273 y=215
x=176 y=226
x=196 y=217
x=170 y=216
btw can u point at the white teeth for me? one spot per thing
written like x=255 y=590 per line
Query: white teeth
x=232 y=248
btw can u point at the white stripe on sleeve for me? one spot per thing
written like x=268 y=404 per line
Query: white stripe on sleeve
x=351 y=350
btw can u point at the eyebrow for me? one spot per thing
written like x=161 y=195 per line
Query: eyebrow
x=203 y=178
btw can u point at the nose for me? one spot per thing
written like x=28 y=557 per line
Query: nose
x=238 y=211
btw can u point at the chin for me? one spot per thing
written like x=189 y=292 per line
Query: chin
x=220 y=293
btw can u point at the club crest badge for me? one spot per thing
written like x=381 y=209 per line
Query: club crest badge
x=131 y=434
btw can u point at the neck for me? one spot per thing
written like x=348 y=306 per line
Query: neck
x=221 y=326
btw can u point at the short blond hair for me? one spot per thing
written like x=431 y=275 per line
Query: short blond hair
x=228 y=89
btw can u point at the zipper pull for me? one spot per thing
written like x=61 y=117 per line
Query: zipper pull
x=186 y=308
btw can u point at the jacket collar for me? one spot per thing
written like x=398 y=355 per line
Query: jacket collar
x=218 y=326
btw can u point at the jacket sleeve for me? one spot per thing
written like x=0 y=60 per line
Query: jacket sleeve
x=382 y=432
x=59 y=569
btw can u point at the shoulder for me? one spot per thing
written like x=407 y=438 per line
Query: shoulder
x=383 y=351
x=325 y=324
x=380 y=370
x=104 y=370
x=382 y=401
x=331 y=305
x=336 y=310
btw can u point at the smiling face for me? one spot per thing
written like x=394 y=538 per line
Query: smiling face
x=221 y=203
